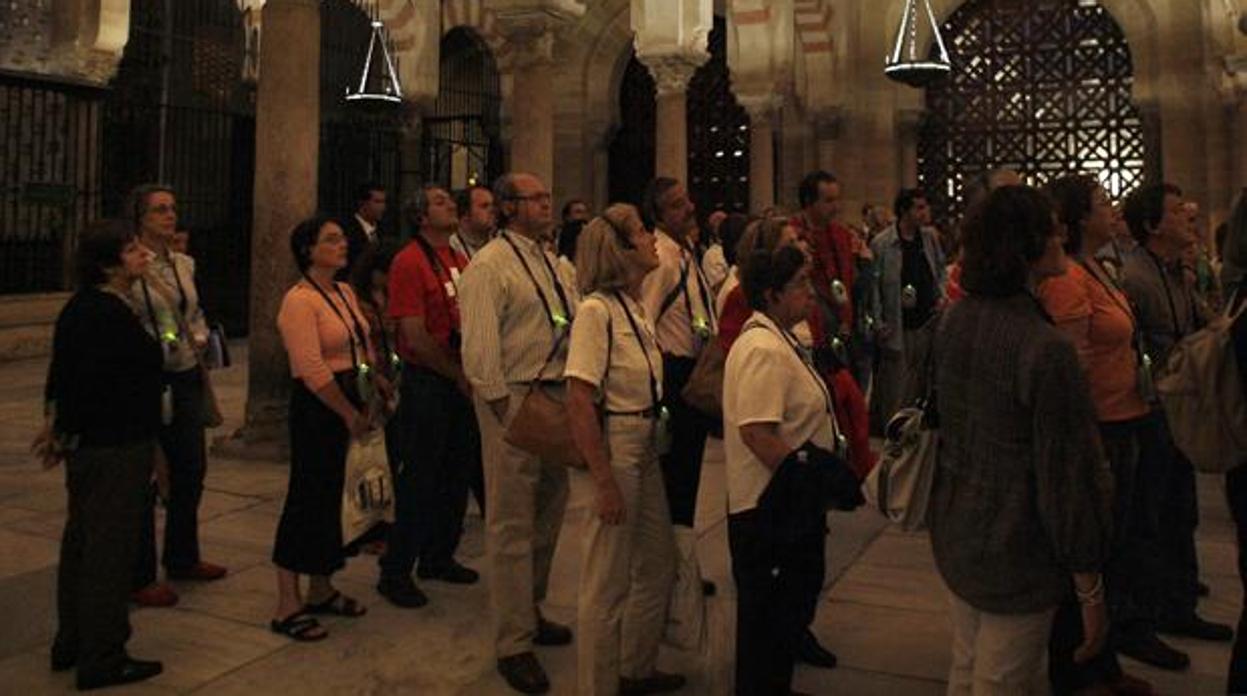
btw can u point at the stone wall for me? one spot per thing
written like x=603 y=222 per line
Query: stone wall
x=26 y=36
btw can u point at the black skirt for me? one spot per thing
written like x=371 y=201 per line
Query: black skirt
x=309 y=535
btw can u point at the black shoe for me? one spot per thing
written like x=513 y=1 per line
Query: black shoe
x=1195 y=627
x=63 y=660
x=524 y=673
x=656 y=683
x=129 y=671
x=550 y=633
x=812 y=653
x=708 y=588
x=1149 y=649
x=454 y=574
x=402 y=592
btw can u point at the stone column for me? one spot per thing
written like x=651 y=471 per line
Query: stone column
x=287 y=137
x=671 y=77
x=527 y=58
x=762 y=115
x=827 y=133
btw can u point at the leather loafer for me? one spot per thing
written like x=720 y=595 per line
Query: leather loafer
x=812 y=653
x=127 y=672
x=454 y=574
x=656 y=683
x=524 y=673
x=1149 y=649
x=1195 y=627
x=550 y=633
x=199 y=571
x=157 y=594
x=402 y=592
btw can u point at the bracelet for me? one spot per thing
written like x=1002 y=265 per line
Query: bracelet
x=1093 y=596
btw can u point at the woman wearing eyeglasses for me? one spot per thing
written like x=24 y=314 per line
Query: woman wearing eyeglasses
x=169 y=306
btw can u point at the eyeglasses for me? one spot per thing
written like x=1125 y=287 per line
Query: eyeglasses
x=543 y=197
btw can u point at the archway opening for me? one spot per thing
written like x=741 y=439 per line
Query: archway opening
x=462 y=144
x=1042 y=87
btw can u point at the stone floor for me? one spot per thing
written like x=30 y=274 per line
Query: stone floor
x=884 y=611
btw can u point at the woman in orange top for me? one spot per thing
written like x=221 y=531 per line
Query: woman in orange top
x=1086 y=303
x=331 y=358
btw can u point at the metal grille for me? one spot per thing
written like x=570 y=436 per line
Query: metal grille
x=1042 y=87
x=632 y=149
x=461 y=133
x=180 y=112
x=49 y=176
x=358 y=142
x=718 y=134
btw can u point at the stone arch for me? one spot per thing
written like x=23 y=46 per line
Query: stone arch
x=817 y=50
x=473 y=14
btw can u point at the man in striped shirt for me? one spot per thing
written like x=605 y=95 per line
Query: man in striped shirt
x=516 y=314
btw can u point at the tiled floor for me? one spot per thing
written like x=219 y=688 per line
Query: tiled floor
x=884 y=612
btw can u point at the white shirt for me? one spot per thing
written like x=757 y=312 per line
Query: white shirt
x=461 y=244
x=714 y=265
x=729 y=284
x=370 y=230
x=766 y=381
x=674 y=327
x=173 y=277
x=617 y=366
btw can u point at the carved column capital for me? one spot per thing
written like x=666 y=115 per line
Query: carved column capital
x=672 y=71
x=762 y=108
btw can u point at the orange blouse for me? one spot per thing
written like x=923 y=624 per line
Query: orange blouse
x=1101 y=324
x=316 y=338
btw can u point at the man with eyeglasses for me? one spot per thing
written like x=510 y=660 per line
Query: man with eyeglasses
x=516 y=314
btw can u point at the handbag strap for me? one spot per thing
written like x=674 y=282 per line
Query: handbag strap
x=636 y=331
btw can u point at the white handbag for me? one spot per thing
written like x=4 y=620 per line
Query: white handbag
x=900 y=485
x=368 y=492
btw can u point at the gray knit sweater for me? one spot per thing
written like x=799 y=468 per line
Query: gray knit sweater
x=1022 y=492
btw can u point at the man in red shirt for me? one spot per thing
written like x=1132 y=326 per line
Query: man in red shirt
x=439 y=438
x=831 y=246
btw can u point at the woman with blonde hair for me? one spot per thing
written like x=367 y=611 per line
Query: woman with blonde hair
x=614 y=391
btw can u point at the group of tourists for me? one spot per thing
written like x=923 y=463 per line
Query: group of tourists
x=504 y=354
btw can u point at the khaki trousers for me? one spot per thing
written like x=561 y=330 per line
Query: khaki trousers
x=627 y=569
x=524 y=500
x=998 y=654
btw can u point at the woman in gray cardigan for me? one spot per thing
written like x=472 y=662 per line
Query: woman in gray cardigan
x=1019 y=509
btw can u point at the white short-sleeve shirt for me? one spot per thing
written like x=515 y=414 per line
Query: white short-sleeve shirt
x=627 y=383
x=766 y=381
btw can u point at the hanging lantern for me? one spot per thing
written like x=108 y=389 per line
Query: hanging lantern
x=378 y=83
x=903 y=63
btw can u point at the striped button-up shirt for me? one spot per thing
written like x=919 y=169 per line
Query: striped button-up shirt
x=689 y=307
x=508 y=327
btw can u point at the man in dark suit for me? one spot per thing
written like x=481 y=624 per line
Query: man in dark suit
x=361 y=227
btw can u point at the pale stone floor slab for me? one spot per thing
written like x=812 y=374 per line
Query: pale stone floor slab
x=884 y=611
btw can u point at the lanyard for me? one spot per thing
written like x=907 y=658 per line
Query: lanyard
x=557 y=321
x=351 y=334
x=438 y=269
x=636 y=330
x=1164 y=281
x=791 y=342
x=171 y=336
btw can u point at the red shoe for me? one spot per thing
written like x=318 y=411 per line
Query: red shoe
x=157 y=594
x=199 y=571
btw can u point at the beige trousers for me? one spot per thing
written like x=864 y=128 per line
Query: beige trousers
x=626 y=570
x=998 y=654
x=524 y=503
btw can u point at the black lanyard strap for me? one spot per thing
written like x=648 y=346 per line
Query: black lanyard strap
x=352 y=334
x=792 y=342
x=558 y=287
x=1164 y=281
x=438 y=269
x=636 y=330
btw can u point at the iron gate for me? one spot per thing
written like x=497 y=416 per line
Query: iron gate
x=461 y=133
x=49 y=175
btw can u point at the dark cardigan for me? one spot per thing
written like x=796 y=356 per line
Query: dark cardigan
x=1021 y=495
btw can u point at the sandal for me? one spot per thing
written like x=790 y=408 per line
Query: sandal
x=298 y=626
x=338 y=604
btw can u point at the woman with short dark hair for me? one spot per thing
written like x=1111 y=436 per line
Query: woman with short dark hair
x=103 y=407
x=331 y=360
x=783 y=451
x=1019 y=509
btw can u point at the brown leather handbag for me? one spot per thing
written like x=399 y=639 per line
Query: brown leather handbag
x=541 y=427
x=704 y=389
